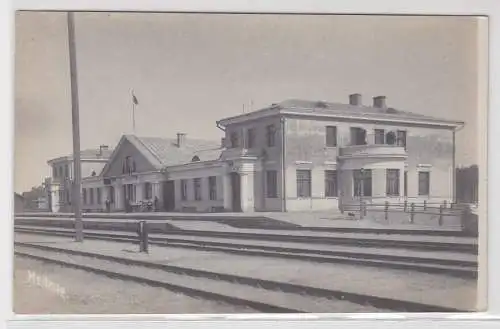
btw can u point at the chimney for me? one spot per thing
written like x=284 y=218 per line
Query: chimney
x=181 y=139
x=355 y=99
x=103 y=148
x=223 y=142
x=379 y=102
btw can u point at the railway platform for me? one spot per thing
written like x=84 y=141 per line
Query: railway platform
x=315 y=221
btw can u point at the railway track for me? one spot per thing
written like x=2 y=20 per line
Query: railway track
x=262 y=295
x=460 y=267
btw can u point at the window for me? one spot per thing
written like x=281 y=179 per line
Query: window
x=401 y=138
x=111 y=194
x=84 y=194
x=128 y=165
x=54 y=172
x=358 y=136
x=331 y=183
x=423 y=183
x=184 y=189
x=91 y=196
x=331 y=136
x=195 y=159
x=60 y=174
x=148 y=190
x=234 y=140
x=197 y=188
x=130 y=192
x=392 y=182
x=212 y=187
x=304 y=183
x=271 y=135
x=379 y=136
x=362 y=181
x=250 y=140
x=98 y=192
x=406 y=184
x=66 y=171
x=390 y=138
x=271 y=184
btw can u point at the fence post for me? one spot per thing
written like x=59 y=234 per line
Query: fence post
x=386 y=210
x=143 y=236
x=425 y=205
x=405 y=205
x=440 y=221
x=412 y=213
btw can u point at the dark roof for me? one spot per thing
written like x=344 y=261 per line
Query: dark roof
x=164 y=152
x=300 y=106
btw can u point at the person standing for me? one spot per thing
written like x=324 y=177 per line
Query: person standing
x=108 y=205
x=156 y=204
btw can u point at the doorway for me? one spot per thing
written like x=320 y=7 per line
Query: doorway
x=236 y=192
x=169 y=195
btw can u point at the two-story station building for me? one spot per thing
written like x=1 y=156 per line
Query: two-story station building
x=296 y=155
x=59 y=185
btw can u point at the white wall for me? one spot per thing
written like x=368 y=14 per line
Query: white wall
x=189 y=173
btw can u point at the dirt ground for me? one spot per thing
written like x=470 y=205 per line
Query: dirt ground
x=43 y=288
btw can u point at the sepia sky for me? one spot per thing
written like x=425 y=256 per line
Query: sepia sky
x=189 y=70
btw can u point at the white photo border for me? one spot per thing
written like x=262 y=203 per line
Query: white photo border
x=488 y=187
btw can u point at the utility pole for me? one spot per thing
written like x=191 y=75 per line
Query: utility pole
x=362 y=193
x=75 y=120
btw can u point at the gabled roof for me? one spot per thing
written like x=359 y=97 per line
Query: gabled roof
x=339 y=110
x=167 y=153
x=164 y=152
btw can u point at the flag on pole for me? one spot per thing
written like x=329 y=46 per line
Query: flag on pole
x=134 y=99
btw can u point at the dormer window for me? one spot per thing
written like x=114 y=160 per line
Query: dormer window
x=195 y=159
x=128 y=165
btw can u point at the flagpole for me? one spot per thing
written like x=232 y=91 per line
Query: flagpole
x=75 y=120
x=133 y=117
x=133 y=110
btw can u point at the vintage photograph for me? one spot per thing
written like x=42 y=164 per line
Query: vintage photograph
x=217 y=163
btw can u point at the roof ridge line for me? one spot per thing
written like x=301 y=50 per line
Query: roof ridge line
x=147 y=148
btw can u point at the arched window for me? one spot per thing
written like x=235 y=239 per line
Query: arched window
x=195 y=158
x=390 y=138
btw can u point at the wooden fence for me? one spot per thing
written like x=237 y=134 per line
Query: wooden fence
x=443 y=214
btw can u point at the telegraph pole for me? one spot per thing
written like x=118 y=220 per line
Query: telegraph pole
x=75 y=120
